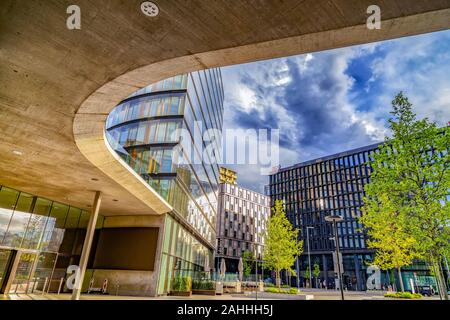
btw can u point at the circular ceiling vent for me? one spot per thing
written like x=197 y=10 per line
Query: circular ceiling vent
x=149 y=8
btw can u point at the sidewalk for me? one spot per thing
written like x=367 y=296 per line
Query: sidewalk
x=319 y=294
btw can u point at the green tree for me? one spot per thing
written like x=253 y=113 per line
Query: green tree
x=308 y=275
x=281 y=242
x=316 y=272
x=405 y=208
x=248 y=258
x=385 y=223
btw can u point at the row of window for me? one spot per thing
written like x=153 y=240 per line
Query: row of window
x=239 y=235
x=242 y=206
x=326 y=166
x=146 y=132
x=235 y=217
x=174 y=83
x=354 y=183
x=317 y=180
x=239 y=251
x=244 y=245
x=152 y=160
x=323 y=204
x=145 y=107
x=244 y=194
x=346 y=243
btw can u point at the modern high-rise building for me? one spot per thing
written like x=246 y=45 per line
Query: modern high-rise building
x=241 y=224
x=160 y=131
x=332 y=185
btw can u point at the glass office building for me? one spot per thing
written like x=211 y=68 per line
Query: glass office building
x=48 y=237
x=160 y=131
x=333 y=185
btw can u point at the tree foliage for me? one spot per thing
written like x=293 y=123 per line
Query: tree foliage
x=405 y=210
x=316 y=270
x=307 y=273
x=281 y=242
x=248 y=258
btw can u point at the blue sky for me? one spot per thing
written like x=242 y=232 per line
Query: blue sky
x=332 y=101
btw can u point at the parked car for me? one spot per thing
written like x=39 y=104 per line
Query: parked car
x=426 y=290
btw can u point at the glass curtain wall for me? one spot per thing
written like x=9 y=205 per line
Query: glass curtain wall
x=182 y=255
x=49 y=236
x=160 y=131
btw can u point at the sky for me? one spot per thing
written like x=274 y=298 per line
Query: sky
x=337 y=100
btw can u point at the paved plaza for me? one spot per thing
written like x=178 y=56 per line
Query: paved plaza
x=316 y=293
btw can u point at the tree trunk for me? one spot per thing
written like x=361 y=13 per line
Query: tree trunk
x=444 y=286
x=440 y=280
x=277 y=279
x=402 y=288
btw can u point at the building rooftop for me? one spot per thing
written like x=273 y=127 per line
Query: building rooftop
x=332 y=156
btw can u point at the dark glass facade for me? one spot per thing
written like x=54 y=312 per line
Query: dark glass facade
x=332 y=185
x=160 y=131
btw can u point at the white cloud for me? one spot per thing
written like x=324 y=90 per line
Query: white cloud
x=311 y=98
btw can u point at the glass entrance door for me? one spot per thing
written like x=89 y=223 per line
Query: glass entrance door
x=34 y=272
x=43 y=280
x=5 y=256
x=24 y=270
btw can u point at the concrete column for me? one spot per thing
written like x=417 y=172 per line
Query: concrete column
x=87 y=244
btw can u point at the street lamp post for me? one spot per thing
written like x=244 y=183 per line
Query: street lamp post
x=298 y=272
x=257 y=283
x=335 y=219
x=309 y=255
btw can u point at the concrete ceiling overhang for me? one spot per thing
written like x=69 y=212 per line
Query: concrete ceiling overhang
x=58 y=85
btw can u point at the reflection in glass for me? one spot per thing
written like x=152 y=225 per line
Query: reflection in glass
x=23 y=273
x=19 y=221
x=8 y=199
x=36 y=224
x=54 y=230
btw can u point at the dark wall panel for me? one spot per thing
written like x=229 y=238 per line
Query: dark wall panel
x=126 y=249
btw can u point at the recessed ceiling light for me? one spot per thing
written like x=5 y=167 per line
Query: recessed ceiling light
x=17 y=152
x=149 y=8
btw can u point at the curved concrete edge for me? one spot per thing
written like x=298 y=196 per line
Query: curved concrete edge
x=89 y=127
x=99 y=152
x=89 y=121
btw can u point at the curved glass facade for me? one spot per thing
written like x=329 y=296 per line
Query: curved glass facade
x=158 y=131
